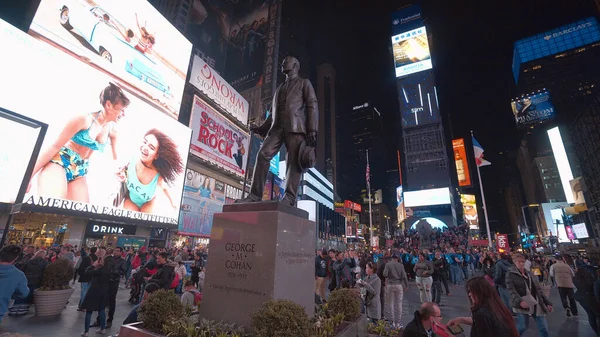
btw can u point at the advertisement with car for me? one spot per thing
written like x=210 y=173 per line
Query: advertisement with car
x=128 y=40
x=106 y=151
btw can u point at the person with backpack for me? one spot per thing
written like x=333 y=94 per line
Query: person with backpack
x=191 y=297
x=502 y=267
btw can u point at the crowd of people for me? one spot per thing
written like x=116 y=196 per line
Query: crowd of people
x=501 y=287
x=99 y=272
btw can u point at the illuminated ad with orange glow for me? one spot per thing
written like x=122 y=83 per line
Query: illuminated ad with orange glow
x=462 y=165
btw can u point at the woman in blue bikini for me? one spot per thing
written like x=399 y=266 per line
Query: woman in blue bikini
x=62 y=168
x=158 y=166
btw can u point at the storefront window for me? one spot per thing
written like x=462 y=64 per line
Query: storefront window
x=40 y=230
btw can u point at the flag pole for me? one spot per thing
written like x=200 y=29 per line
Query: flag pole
x=369 y=190
x=487 y=222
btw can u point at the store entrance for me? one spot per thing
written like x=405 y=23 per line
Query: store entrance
x=39 y=229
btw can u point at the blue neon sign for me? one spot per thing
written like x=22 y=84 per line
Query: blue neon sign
x=555 y=41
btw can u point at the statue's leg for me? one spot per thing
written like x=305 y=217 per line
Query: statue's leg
x=293 y=172
x=267 y=151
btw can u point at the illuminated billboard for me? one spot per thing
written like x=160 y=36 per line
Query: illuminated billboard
x=555 y=41
x=562 y=162
x=436 y=196
x=470 y=210
x=411 y=52
x=418 y=100
x=533 y=108
x=408 y=18
x=14 y=160
x=462 y=164
x=203 y=196
x=218 y=140
x=580 y=231
x=399 y=196
x=211 y=84
x=106 y=151
x=129 y=40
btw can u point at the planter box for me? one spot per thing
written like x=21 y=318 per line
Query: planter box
x=49 y=303
x=136 y=330
x=355 y=328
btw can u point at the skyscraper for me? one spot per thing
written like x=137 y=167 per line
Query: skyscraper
x=327 y=138
x=423 y=145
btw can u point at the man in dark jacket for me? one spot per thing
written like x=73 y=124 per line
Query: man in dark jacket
x=25 y=256
x=321 y=274
x=116 y=272
x=165 y=273
x=502 y=267
x=425 y=319
x=438 y=270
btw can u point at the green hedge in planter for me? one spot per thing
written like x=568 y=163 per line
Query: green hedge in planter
x=281 y=318
x=57 y=275
x=344 y=301
x=160 y=308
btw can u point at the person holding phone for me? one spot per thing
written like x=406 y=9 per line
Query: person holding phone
x=526 y=297
x=97 y=297
x=372 y=285
x=489 y=315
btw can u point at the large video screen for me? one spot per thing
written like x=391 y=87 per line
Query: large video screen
x=129 y=40
x=411 y=52
x=532 y=109
x=436 y=196
x=15 y=159
x=106 y=151
x=418 y=100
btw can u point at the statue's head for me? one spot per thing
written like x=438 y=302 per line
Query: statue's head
x=290 y=64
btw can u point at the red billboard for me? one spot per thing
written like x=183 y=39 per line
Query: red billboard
x=502 y=243
x=462 y=165
x=353 y=206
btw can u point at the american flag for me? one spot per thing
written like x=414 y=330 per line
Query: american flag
x=368 y=175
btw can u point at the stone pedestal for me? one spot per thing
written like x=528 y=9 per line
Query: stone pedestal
x=258 y=252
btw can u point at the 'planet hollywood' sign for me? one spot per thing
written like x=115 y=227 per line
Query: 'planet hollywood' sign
x=211 y=84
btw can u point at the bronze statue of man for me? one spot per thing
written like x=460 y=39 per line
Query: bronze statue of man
x=293 y=122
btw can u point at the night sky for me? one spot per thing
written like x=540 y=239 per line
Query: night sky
x=472 y=47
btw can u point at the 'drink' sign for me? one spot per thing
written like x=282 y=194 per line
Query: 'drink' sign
x=98 y=228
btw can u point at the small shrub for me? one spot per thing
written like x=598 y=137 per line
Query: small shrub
x=384 y=329
x=57 y=275
x=344 y=301
x=160 y=309
x=209 y=328
x=281 y=318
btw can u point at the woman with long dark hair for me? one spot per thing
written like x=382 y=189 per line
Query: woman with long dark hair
x=157 y=166
x=584 y=282
x=489 y=316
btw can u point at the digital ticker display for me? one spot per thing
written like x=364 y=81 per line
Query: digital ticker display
x=418 y=100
